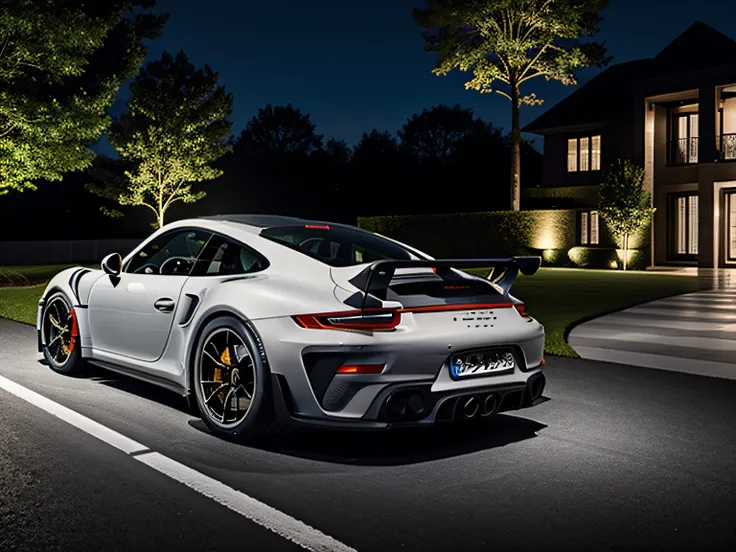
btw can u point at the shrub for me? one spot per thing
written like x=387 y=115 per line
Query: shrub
x=555 y=257
x=593 y=257
x=608 y=257
x=13 y=279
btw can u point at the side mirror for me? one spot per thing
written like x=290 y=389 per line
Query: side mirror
x=112 y=264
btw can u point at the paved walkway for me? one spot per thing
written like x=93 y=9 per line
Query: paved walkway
x=693 y=333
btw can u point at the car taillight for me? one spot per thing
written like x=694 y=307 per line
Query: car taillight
x=368 y=320
x=522 y=310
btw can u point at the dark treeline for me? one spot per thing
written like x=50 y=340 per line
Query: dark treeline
x=442 y=160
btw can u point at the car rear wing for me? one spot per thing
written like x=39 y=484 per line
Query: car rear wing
x=375 y=279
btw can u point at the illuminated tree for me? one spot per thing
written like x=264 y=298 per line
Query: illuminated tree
x=176 y=127
x=506 y=43
x=61 y=66
x=623 y=202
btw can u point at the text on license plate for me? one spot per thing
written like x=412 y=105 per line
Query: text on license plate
x=478 y=363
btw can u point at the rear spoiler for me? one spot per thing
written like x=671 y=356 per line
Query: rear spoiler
x=377 y=277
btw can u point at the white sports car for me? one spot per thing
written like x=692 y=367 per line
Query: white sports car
x=266 y=321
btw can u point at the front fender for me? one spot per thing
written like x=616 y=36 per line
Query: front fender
x=66 y=281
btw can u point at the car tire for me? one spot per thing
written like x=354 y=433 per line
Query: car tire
x=60 y=344
x=259 y=420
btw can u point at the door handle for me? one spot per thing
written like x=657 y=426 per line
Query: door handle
x=164 y=305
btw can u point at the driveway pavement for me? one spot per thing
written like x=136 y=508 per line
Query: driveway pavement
x=693 y=333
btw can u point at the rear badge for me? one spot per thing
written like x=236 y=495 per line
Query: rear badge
x=481 y=363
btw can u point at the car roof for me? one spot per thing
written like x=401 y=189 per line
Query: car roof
x=262 y=221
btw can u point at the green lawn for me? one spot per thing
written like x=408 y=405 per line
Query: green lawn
x=38 y=274
x=20 y=304
x=559 y=298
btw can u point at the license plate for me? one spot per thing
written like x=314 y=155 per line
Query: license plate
x=481 y=363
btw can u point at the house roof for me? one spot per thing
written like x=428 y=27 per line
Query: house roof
x=698 y=47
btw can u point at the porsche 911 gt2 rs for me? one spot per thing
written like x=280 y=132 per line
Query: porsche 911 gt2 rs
x=265 y=321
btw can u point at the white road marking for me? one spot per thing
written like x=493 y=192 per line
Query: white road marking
x=283 y=525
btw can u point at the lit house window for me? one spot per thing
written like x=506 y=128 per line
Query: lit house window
x=595 y=153
x=589 y=229
x=572 y=155
x=684 y=140
x=684 y=210
x=584 y=154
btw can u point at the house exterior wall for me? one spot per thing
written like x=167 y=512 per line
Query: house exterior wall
x=639 y=132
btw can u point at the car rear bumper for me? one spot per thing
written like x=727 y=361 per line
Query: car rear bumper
x=307 y=362
x=415 y=404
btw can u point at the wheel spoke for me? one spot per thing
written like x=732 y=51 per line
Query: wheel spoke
x=241 y=386
x=216 y=391
x=220 y=364
x=54 y=322
x=226 y=404
x=54 y=340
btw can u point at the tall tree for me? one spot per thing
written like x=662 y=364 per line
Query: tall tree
x=337 y=151
x=61 y=66
x=482 y=144
x=506 y=43
x=623 y=201
x=175 y=128
x=434 y=134
x=376 y=147
x=279 y=131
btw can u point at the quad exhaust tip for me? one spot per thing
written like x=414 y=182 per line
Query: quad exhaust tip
x=489 y=405
x=470 y=406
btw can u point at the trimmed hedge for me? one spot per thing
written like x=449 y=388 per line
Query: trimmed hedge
x=13 y=279
x=485 y=234
x=549 y=233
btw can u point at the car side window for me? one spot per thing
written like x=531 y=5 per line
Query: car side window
x=173 y=253
x=223 y=257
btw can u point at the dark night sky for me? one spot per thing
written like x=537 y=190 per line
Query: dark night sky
x=358 y=65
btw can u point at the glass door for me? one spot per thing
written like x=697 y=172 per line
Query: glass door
x=730 y=225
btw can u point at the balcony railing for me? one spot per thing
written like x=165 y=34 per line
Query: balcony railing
x=727 y=147
x=683 y=151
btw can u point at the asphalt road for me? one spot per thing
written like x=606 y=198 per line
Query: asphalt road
x=619 y=458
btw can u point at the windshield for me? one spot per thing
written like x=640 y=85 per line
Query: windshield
x=337 y=245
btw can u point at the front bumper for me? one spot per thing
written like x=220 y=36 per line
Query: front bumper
x=415 y=404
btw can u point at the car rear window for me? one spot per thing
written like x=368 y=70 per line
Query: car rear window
x=337 y=246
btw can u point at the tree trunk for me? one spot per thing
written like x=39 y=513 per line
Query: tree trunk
x=515 y=150
x=626 y=250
